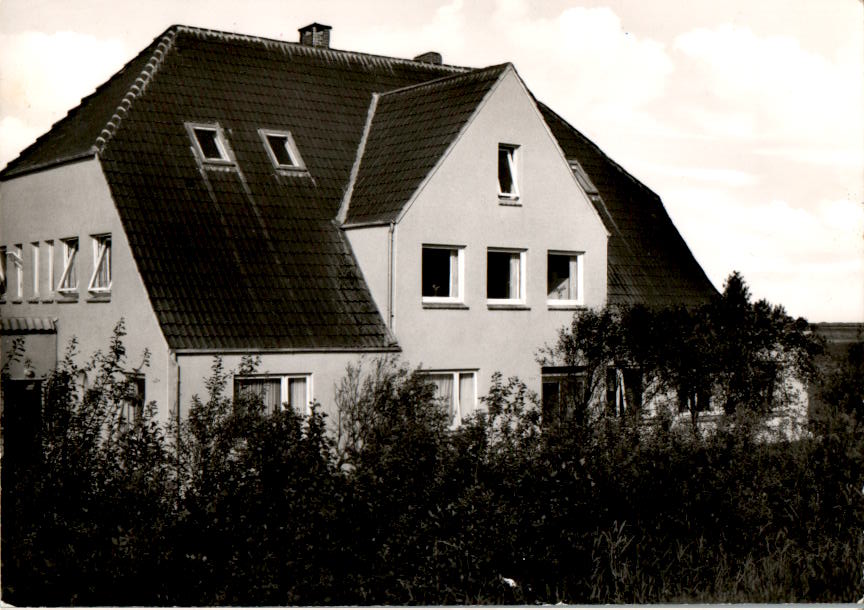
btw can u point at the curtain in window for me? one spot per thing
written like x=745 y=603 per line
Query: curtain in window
x=444 y=391
x=297 y=394
x=467 y=399
x=454 y=273
x=102 y=278
x=267 y=389
x=513 y=283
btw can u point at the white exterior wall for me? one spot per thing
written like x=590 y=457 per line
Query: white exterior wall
x=74 y=201
x=371 y=246
x=459 y=206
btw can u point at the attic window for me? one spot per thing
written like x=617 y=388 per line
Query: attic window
x=281 y=149
x=508 y=187
x=582 y=178
x=209 y=143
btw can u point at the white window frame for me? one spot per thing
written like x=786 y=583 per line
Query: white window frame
x=576 y=268
x=34 y=255
x=284 y=388
x=4 y=286
x=221 y=143
x=460 y=411
x=17 y=255
x=513 y=166
x=459 y=297
x=290 y=146
x=70 y=260
x=50 y=256
x=101 y=248
x=523 y=280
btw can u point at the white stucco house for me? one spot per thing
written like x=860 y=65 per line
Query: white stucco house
x=232 y=195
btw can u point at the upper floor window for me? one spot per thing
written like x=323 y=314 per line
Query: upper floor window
x=277 y=392
x=34 y=259
x=18 y=261
x=281 y=149
x=69 y=277
x=508 y=177
x=443 y=274
x=100 y=281
x=457 y=391
x=564 y=278
x=210 y=145
x=2 y=272
x=505 y=276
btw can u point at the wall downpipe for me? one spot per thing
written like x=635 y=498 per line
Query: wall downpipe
x=391 y=276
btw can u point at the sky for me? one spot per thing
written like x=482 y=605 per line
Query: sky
x=745 y=116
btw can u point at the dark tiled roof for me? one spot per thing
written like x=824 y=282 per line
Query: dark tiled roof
x=412 y=128
x=648 y=261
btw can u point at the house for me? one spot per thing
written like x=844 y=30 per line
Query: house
x=230 y=195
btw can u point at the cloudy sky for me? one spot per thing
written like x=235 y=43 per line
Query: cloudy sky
x=744 y=115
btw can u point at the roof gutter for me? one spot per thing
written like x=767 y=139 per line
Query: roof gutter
x=73 y=158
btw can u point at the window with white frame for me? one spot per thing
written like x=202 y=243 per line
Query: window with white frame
x=100 y=280
x=2 y=273
x=209 y=141
x=442 y=274
x=282 y=149
x=132 y=403
x=34 y=260
x=508 y=177
x=69 y=277
x=505 y=276
x=564 y=278
x=457 y=391
x=49 y=255
x=18 y=262
x=277 y=392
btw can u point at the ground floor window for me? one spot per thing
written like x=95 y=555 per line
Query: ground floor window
x=277 y=392
x=563 y=393
x=132 y=407
x=457 y=390
x=623 y=389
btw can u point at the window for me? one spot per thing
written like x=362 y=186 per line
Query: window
x=100 y=281
x=3 y=273
x=34 y=252
x=277 y=392
x=563 y=278
x=18 y=261
x=281 y=149
x=623 y=390
x=505 y=276
x=563 y=393
x=209 y=143
x=443 y=274
x=457 y=390
x=49 y=246
x=508 y=187
x=583 y=179
x=132 y=405
x=69 y=277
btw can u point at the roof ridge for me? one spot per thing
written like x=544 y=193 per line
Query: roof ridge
x=137 y=88
x=437 y=81
x=191 y=29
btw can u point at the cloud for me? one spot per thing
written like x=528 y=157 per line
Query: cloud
x=44 y=75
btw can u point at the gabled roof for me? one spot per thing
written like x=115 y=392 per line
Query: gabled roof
x=648 y=261
x=410 y=131
x=246 y=256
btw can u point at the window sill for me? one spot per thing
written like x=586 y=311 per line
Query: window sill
x=565 y=306
x=33 y=300
x=284 y=170
x=508 y=306
x=48 y=300
x=68 y=298
x=99 y=298
x=17 y=301
x=432 y=305
x=509 y=201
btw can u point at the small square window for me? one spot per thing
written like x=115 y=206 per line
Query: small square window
x=457 y=391
x=442 y=273
x=508 y=186
x=563 y=278
x=505 y=276
x=100 y=281
x=209 y=143
x=69 y=277
x=281 y=149
x=278 y=392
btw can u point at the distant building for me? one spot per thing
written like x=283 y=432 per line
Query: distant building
x=230 y=195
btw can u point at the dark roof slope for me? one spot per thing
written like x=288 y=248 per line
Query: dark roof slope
x=412 y=128
x=648 y=260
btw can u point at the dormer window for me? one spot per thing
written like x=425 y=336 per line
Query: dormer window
x=508 y=181
x=209 y=141
x=281 y=149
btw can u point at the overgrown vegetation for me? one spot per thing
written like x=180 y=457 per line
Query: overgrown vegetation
x=387 y=505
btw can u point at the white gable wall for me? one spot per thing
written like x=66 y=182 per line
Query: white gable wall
x=459 y=206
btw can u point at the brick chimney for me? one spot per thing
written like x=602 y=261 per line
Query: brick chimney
x=430 y=57
x=315 y=35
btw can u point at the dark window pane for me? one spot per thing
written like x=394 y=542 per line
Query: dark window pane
x=505 y=178
x=279 y=146
x=436 y=272
x=558 y=277
x=498 y=275
x=207 y=141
